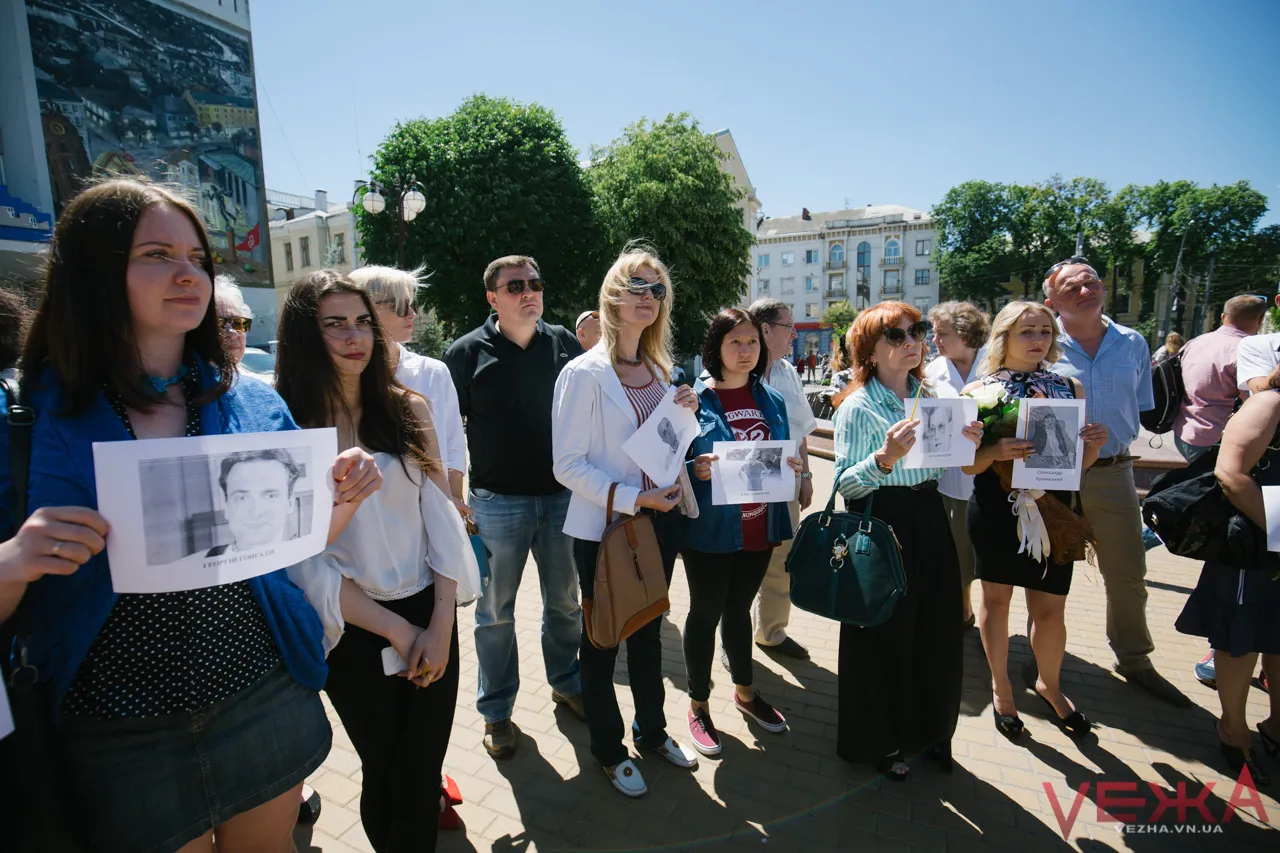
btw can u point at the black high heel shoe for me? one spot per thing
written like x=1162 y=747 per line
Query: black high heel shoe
x=1009 y=725
x=1269 y=744
x=941 y=755
x=1237 y=758
x=1073 y=725
x=884 y=765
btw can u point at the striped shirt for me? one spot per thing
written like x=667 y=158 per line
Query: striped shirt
x=862 y=421
x=644 y=401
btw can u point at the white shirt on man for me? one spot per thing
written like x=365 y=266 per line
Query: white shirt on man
x=784 y=379
x=1256 y=356
x=431 y=378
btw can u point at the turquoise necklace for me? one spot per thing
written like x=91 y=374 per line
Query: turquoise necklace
x=160 y=384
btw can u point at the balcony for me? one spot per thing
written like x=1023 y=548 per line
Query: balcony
x=891 y=290
x=837 y=293
x=895 y=263
x=836 y=265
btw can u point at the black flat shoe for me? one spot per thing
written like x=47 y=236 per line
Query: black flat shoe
x=1009 y=725
x=941 y=755
x=892 y=767
x=1269 y=744
x=309 y=809
x=1238 y=759
x=1073 y=725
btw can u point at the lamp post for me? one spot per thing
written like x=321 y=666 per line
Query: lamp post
x=410 y=197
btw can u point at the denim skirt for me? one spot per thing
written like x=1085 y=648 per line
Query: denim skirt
x=156 y=783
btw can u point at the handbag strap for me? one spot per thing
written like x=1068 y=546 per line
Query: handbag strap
x=835 y=488
x=608 y=510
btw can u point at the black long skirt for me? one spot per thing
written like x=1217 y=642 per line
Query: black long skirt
x=900 y=681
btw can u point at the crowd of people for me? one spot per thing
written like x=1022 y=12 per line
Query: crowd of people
x=192 y=718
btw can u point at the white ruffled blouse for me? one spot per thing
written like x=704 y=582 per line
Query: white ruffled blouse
x=400 y=538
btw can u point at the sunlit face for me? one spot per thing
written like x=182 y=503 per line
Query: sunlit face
x=949 y=343
x=640 y=309
x=905 y=357
x=740 y=350
x=398 y=327
x=232 y=341
x=257 y=502
x=166 y=283
x=589 y=332
x=1076 y=292
x=1030 y=338
x=778 y=336
x=347 y=327
x=514 y=308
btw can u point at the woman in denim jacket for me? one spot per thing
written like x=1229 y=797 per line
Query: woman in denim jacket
x=727 y=548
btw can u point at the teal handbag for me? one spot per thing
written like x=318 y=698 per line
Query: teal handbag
x=847 y=566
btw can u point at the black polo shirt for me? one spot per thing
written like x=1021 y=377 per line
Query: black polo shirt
x=505 y=393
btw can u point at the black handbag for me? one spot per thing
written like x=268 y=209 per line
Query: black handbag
x=847 y=566
x=30 y=757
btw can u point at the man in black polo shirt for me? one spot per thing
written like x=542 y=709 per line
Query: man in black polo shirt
x=505 y=372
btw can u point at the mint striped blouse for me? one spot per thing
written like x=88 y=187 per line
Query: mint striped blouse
x=862 y=421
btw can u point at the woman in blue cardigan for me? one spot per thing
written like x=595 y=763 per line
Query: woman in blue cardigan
x=181 y=716
x=727 y=548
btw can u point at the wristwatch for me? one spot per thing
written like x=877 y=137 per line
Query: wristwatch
x=806 y=475
x=883 y=469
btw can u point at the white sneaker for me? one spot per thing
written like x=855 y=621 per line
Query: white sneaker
x=680 y=756
x=627 y=779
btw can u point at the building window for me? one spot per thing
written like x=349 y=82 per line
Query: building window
x=339 y=248
x=922 y=277
x=837 y=253
x=923 y=247
x=892 y=249
x=304 y=249
x=923 y=304
x=892 y=281
x=288 y=257
x=788 y=286
x=837 y=285
x=788 y=258
x=762 y=260
x=811 y=311
x=764 y=285
x=810 y=284
x=810 y=256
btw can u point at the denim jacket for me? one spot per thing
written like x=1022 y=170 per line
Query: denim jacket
x=718 y=529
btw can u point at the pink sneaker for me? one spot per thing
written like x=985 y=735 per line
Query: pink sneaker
x=705 y=737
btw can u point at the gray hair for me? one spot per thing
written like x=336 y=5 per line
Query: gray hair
x=385 y=284
x=1052 y=278
x=766 y=309
x=227 y=292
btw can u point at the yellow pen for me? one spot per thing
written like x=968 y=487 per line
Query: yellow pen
x=915 y=405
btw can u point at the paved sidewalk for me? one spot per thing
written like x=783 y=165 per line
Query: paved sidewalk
x=791 y=793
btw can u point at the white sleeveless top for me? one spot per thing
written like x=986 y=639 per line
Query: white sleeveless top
x=400 y=538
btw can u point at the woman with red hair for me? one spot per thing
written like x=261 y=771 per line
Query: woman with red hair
x=899 y=681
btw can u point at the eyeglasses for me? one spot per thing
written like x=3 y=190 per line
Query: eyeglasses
x=897 y=337
x=235 y=324
x=791 y=326
x=1074 y=259
x=638 y=286
x=395 y=308
x=516 y=286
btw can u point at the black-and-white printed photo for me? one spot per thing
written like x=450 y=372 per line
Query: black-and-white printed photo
x=658 y=446
x=225 y=503
x=940 y=440
x=759 y=464
x=937 y=426
x=667 y=432
x=1052 y=432
x=752 y=472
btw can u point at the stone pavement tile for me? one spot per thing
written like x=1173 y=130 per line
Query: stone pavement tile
x=356 y=838
x=336 y=789
x=342 y=761
x=320 y=841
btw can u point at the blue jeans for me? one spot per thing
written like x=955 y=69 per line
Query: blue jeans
x=510 y=526
x=1190 y=452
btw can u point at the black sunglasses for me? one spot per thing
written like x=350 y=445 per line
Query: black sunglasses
x=897 y=337
x=1074 y=259
x=398 y=310
x=517 y=285
x=638 y=286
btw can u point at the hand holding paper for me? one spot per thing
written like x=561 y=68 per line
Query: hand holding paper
x=659 y=445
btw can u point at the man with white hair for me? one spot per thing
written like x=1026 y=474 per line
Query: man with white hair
x=394 y=292
x=1112 y=363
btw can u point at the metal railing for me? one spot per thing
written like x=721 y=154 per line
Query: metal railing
x=836 y=265
x=892 y=262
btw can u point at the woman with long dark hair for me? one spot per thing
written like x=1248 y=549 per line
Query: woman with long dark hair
x=386 y=589
x=186 y=717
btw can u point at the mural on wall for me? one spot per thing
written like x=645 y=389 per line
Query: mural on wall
x=144 y=87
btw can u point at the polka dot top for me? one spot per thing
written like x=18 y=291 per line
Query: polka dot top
x=176 y=651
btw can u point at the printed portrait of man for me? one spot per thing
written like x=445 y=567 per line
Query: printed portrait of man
x=258 y=487
x=1052 y=448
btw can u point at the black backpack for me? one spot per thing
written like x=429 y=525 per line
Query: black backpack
x=1167 y=387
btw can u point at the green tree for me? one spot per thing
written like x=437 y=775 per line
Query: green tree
x=974 y=247
x=500 y=178
x=840 y=315
x=661 y=182
x=429 y=337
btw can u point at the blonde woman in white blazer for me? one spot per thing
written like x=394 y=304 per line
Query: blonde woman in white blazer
x=602 y=397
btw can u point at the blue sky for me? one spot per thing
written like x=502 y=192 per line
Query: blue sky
x=881 y=103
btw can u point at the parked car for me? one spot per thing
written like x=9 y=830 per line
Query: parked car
x=260 y=363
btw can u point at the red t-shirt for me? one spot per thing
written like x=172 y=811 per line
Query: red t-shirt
x=748 y=424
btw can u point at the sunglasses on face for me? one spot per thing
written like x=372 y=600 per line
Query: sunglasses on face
x=399 y=311
x=638 y=286
x=517 y=285
x=235 y=324
x=897 y=337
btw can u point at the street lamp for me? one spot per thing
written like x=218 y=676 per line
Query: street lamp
x=410 y=198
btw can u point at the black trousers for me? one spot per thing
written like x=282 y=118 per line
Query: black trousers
x=399 y=730
x=644 y=659
x=721 y=589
